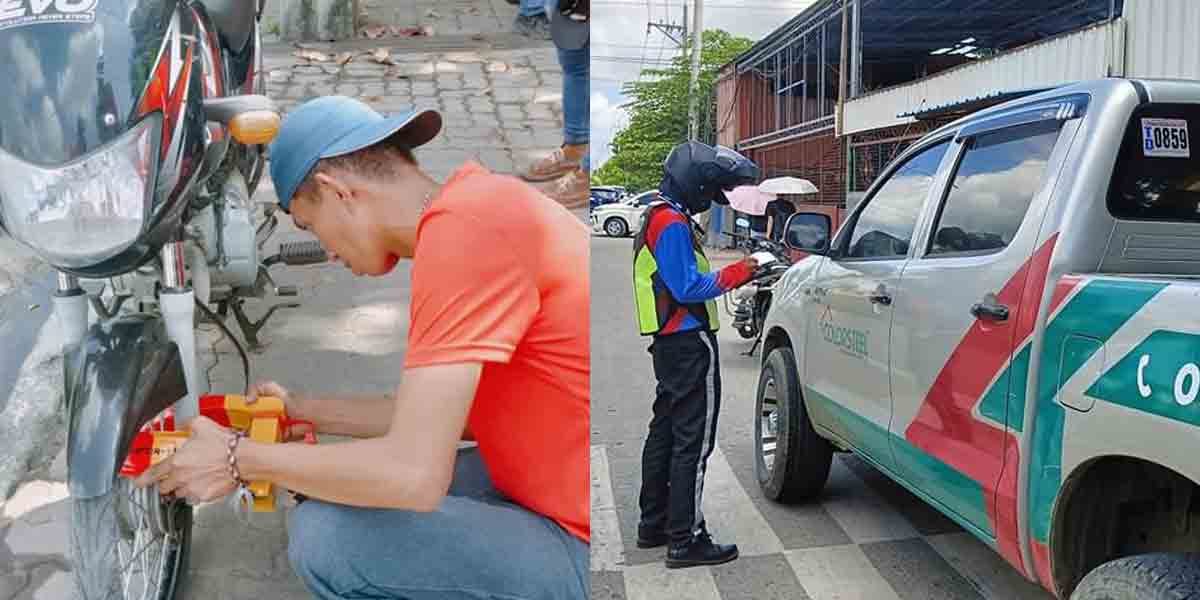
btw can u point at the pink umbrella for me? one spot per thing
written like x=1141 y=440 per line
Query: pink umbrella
x=748 y=199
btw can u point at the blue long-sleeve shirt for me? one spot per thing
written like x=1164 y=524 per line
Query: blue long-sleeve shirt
x=669 y=238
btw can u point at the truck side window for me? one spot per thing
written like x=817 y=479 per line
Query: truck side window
x=997 y=178
x=885 y=226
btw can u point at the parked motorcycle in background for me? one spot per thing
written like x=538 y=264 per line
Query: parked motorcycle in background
x=749 y=303
x=132 y=137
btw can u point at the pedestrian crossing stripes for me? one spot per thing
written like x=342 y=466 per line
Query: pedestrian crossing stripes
x=608 y=552
x=870 y=540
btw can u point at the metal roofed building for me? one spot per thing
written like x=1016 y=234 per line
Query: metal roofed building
x=797 y=108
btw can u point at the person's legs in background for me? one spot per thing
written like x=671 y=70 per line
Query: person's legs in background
x=531 y=19
x=572 y=159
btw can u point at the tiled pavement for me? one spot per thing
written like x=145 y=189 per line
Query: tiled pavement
x=499 y=93
x=867 y=538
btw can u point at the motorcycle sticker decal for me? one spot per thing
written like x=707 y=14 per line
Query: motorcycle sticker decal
x=20 y=13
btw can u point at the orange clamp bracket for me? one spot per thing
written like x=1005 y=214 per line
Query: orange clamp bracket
x=265 y=421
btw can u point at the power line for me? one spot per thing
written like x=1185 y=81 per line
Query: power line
x=645 y=41
x=633 y=56
x=631 y=46
x=666 y=19
x=631 y=60
x=664 y=61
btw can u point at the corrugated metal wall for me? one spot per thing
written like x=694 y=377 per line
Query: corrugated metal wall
x=819 y=158
x=1161 y=39
x=726 y=120
x=1071 y=57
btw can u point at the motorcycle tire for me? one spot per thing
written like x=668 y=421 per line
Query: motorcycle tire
x=109 y=557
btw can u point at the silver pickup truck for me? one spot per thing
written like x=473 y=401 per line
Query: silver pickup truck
x=1009 y=326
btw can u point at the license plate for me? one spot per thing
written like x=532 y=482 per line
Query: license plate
x=1165 y=138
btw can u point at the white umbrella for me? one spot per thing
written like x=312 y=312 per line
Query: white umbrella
x=787 y=185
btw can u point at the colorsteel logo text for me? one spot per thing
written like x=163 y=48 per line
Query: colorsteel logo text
x=847 y=339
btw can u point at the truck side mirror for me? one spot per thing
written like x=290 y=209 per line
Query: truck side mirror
x=807 y=232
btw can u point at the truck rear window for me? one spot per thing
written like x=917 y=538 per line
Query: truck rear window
x=1157 y=176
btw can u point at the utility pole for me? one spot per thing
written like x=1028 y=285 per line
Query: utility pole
x=670 y=29
x=693 y=86
x=842 y=75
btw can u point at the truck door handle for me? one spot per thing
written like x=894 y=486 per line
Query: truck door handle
x=990 y=311
x=880 y=298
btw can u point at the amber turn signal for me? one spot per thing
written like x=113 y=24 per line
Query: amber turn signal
x=255 y=127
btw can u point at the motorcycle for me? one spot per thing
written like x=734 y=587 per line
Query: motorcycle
x=132 y=138
x=748 y=304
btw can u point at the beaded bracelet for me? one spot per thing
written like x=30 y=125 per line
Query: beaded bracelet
x=233 y=468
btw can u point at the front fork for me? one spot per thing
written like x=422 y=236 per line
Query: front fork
x=177 y=303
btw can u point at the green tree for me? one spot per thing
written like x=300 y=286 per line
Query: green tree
x=658 y=110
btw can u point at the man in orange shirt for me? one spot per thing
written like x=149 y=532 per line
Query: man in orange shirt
x=498 y=352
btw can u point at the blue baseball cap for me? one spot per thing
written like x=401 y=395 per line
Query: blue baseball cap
x=335 y=126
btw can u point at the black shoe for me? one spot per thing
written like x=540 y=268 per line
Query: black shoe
x=701 y=551
x=651 y=539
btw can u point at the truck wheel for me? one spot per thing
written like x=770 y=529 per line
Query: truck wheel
x=791 y=461
x=1144 y=577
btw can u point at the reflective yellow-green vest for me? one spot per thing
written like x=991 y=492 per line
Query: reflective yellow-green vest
x=657 y=310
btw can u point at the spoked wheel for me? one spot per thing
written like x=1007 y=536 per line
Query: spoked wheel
x=129 y=544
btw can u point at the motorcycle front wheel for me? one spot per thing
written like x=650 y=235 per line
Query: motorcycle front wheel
x=129 y=543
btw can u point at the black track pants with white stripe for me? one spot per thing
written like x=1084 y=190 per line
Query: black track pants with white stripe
x=683 y=433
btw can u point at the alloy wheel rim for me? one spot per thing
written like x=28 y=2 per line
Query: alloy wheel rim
x=768 y=428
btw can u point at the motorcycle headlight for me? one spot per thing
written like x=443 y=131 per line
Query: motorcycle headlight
x=86 y=211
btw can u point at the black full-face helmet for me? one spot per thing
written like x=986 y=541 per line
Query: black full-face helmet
x=696 y=175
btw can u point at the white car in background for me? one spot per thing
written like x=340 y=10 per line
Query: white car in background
x=621 y=219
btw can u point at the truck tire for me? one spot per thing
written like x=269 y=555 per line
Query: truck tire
x=1158 y=576
x=796 y=467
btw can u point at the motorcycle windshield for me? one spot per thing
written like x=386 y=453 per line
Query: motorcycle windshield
x=73 y=71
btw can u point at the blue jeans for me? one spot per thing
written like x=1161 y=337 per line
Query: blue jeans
x=477 y=546
x=576 y=97
x=531 y=8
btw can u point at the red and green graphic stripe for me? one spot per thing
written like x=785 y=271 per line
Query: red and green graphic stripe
x=1097 y=312
x=980 y=372
x=1160 y=376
